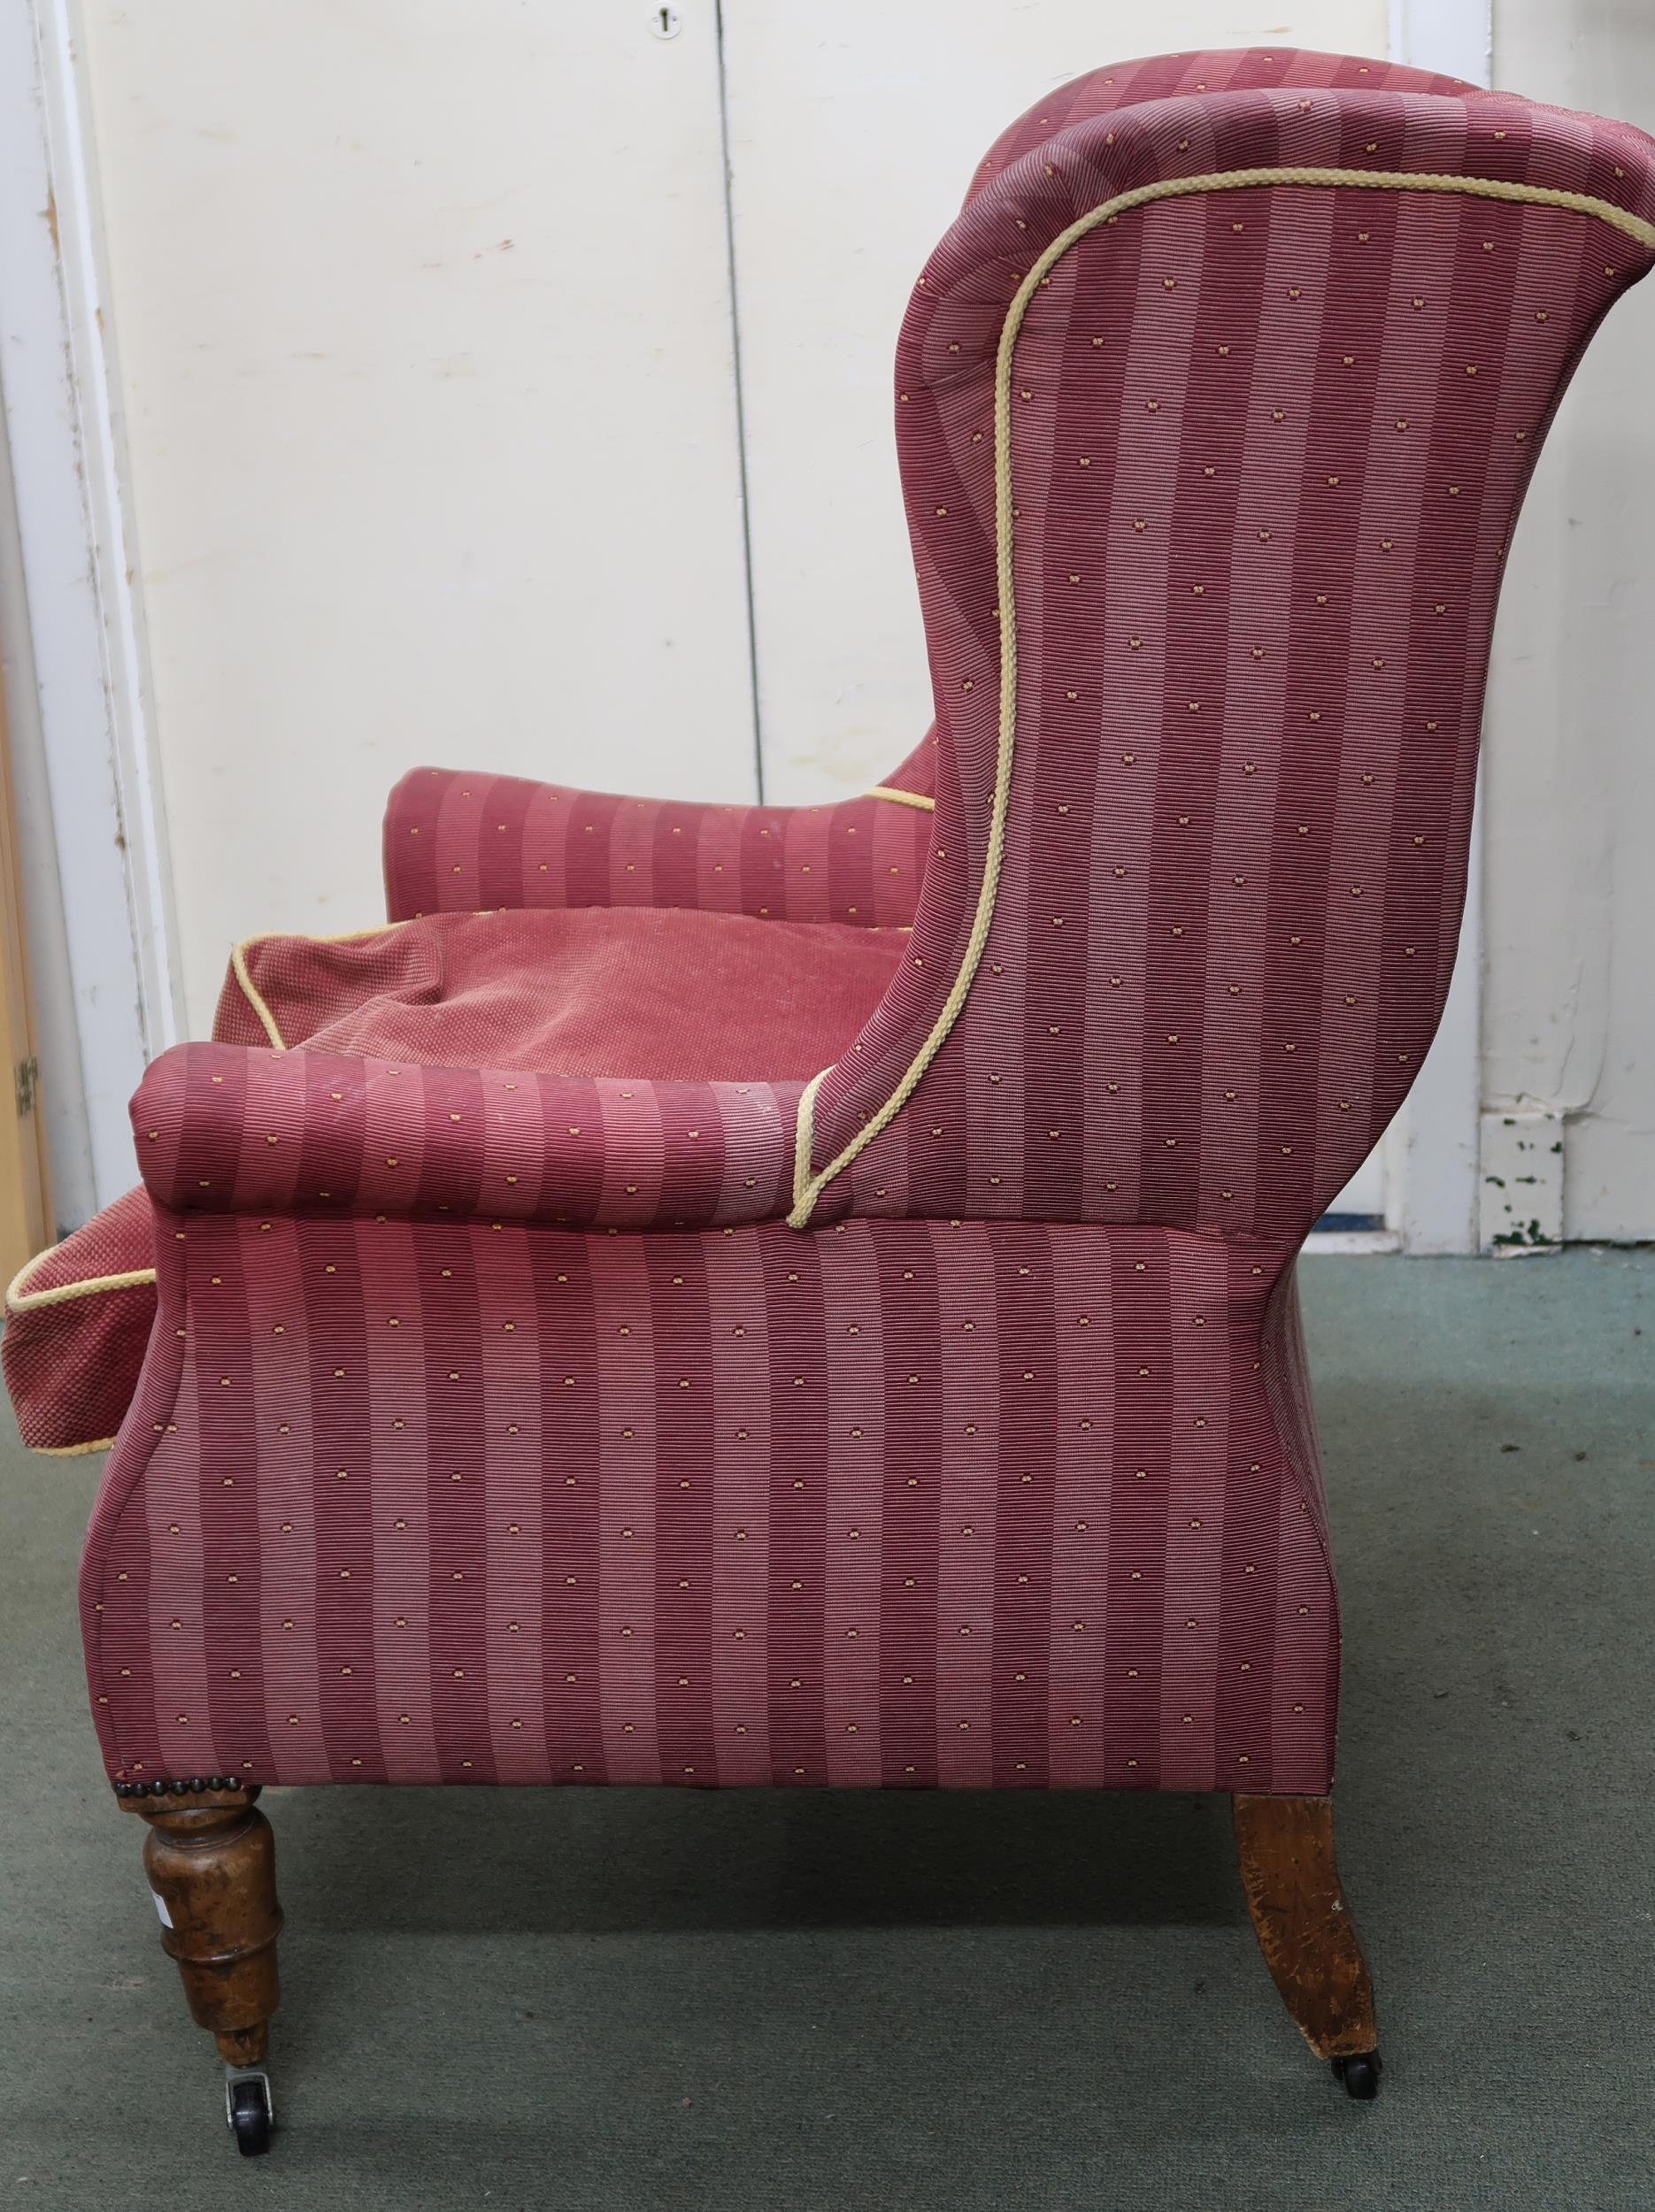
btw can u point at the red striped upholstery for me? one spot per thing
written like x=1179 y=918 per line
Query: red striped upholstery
x=496 y=1428
x=665 y=993
x=77 y=1321
x=1268 y=449
x=455 y=841
x=908 y=1503
x=223 y=1129
x=1297 y=70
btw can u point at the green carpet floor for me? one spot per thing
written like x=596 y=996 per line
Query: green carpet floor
x=627 y=2001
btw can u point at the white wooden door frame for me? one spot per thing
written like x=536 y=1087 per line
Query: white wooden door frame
x=93 y=725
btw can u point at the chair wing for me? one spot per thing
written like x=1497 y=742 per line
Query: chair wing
x=1214 y=416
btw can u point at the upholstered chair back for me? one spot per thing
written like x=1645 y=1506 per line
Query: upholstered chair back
x=1214 y=415
x=1293 y=69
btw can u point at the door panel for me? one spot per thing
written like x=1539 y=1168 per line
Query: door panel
x=424 y=327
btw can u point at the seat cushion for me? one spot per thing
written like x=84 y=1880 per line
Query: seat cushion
x=77 y=1321
x=667 y=994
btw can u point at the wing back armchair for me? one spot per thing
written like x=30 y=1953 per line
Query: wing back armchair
x=892 y=1376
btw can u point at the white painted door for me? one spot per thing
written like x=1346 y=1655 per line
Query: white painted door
x=428 y=373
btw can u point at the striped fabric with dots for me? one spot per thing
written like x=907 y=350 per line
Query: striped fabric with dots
x=916 y=1503
x=497 y=1427
x=1266 y=449
x=455 y=841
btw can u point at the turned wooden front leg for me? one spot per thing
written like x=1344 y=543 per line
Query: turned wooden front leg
x=211 y=1860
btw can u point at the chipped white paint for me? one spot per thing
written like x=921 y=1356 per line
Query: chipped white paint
x=1521 y=1183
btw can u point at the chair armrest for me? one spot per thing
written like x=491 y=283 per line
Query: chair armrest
x=228 y=1129
x=460 y=843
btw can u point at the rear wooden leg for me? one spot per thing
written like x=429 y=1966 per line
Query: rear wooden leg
x=1305 y=1932
x=211 y=1860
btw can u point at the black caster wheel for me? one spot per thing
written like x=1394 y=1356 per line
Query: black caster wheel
x=1359 y=2074
x=247 y=2107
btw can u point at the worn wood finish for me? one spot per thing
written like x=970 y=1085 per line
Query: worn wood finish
x=211 y=1860
x=1303 y=1926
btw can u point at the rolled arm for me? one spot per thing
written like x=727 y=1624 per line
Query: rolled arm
x=226 y=1129
x=465 y=843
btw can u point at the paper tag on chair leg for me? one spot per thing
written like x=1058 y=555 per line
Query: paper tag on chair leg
x=1520 y=1207
x=160 y=1906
